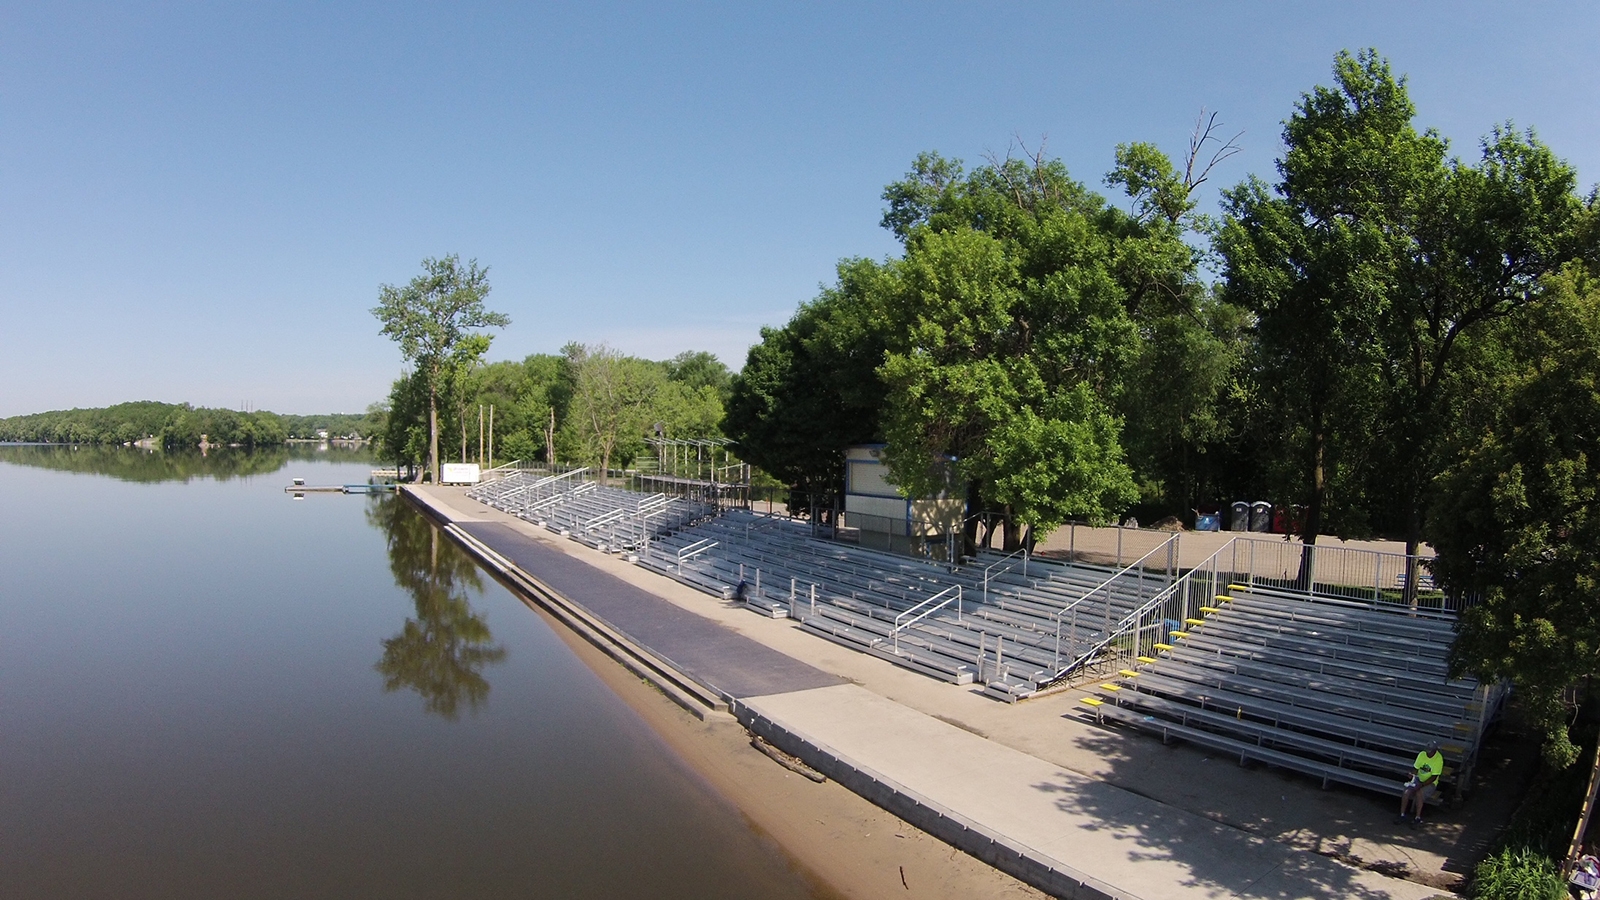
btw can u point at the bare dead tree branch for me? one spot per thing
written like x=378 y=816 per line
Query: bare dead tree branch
x=1002 y=168
x=1205 y=128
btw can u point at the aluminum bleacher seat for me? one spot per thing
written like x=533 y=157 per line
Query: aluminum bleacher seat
x=1002 y=629
x=1334 y=689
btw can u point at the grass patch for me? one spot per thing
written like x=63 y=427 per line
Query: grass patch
x=1518 y=874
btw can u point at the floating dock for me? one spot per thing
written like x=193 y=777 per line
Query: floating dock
x=338 y=488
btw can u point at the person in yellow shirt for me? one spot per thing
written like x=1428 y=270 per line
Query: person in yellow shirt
x=1424 y=781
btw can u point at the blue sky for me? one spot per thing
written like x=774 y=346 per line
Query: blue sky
x=199 y=201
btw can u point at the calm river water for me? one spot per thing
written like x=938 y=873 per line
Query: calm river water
x=208 y=689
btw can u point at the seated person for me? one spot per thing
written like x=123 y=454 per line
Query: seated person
x=1424 y=781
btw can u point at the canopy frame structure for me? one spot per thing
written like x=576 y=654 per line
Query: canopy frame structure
x=689 y=468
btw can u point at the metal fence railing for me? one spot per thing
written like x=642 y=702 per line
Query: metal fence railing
x=1348 y=573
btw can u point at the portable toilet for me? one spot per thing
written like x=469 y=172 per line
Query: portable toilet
x=1261 y=516
x=1240 y=521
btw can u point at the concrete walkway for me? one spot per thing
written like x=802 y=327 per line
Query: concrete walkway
x=1063 y=832
x=728 y=663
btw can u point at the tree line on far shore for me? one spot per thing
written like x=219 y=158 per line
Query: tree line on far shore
x=176 y=425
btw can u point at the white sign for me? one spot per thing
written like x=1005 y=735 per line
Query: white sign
x=459 y=473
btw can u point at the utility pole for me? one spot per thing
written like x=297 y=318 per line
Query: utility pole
x=1576 y=847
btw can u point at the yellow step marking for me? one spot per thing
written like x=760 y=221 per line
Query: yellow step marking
x=1149 y=659
x=1162 y=646
x=1178 y=634
x=1128 y=673
x=1224 y=598
x=1194 y=621
x=1208 y=610
x=1091 y=701
x=1112 y=687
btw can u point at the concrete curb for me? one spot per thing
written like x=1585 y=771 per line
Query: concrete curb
x=1019 y=861
x=635 y=657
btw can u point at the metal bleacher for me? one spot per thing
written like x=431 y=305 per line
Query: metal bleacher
x=606 y=518
x=1013 y=623
x=1341 y=690
x=1344 y=683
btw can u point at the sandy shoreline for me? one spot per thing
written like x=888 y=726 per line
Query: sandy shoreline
x=844 y=846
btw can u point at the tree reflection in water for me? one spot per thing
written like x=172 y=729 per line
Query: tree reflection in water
x=440 y=653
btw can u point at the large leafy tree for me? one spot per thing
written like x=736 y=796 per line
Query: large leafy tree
x=529 y=398
x=1517 y=517
x=698 y=369
x=1317 y=259
x=1019 y=307
x=1483 y=248
x=613 y=400
x=1365 y=266
x=434 y=319
x=810 y=389
x=1182 y=397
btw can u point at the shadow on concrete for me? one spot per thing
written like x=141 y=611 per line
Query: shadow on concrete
x=1265 y=803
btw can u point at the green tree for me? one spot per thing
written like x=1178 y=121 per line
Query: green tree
x=1316 y=258
x=530 y=400
x=1516 y=519
x=1182 y=396
x=404 y=438
x=432 y=319
x=811 y=389
x=698 y=369
x=1366 y=265
x=1019 y=310
x=1500 y=227
x=613 y=397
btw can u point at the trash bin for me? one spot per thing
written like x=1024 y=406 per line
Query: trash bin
x=1260 y=516
x=1241 y=517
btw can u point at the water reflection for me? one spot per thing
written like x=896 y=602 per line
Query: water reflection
x=441 y=652
x=149 y=466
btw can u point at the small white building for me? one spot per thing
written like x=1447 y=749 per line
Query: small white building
x=889 y=520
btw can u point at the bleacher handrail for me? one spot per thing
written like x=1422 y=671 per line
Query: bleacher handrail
x=1060 y=616
x=695 y=549
x=1177 y=588
x=933 y=604
x=551 y=479
x=1005 y=567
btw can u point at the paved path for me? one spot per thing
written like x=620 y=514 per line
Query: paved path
x=728 y=663
x=1085 y=837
